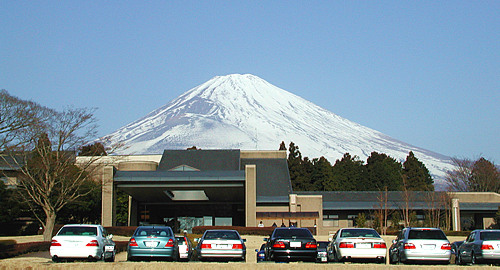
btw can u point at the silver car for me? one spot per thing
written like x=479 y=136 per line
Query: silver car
x=221 y=245
x=420 y=245
x=357 y=243
x=480 y=246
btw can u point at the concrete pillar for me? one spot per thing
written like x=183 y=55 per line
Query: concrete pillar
x=132 y=211
x=108 y=209
x=455 y=214
x=251 y=196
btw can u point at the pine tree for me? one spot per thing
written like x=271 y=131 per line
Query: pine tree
x=382 y=171
x=321 y=174
x=347 y=174
x=416 y=175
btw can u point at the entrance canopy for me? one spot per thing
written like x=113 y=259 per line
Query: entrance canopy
x=182 y=186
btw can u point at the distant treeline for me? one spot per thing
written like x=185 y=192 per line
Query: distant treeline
x=352 y=174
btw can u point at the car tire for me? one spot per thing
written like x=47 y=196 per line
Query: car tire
x=473 y=258
x=56 y=259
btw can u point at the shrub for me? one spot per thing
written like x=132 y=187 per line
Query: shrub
x=18 y=249
x=241 y=230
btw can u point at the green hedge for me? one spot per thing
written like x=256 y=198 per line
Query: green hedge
x=121 y=230
x=266 y=231
x=13 y=250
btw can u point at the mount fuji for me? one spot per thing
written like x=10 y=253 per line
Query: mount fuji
x=246 y=112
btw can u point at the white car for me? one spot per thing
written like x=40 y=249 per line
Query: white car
x=82 y=241
x=356 y=243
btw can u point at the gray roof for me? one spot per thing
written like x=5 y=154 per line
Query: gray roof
x=203 y=160
x=480 y=206
x=155 y=176
x=359 y=200
x=273 y=179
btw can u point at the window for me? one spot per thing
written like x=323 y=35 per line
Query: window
x=351 y=220
x=330 y=220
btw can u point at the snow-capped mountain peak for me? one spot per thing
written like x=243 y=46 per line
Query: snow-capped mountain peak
x=246 y=112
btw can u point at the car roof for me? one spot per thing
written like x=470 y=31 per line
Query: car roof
x=220 y=230
x=153 y=226
x=82 y=225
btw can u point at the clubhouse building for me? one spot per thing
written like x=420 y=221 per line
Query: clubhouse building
x=187 y=188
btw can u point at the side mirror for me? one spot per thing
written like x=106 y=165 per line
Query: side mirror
x=265 y=239
x=256 y=250
x=110 y=236
x=244 y=240
x=197 y=239
x=394 y=241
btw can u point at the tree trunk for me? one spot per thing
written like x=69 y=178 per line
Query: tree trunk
x=48 y=227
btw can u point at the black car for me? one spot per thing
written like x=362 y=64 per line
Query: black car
x=291 y=244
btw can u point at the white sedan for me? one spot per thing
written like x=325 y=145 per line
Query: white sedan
x=356 y=243
x=82 y=241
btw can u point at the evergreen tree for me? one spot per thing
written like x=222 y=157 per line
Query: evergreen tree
x=416 y=175
x=322 y=174
x=282 y=146
x=347 y=174
x=382 y=171
x=300 y=169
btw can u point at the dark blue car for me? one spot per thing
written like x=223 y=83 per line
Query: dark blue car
x=261 y=254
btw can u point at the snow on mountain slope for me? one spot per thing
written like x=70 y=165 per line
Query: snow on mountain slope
x=246 y=112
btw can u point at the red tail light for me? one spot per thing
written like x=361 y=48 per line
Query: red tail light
x=409 y=246
x=93 y=243
x=487 y=247
x=237 y=246
x=346 y=245
x=170 y=243
x=279 y=244
x=206 y=246
x=54 y=243
x=133 y=243
x=379 y=245
x=446 y=246
x=311 y=245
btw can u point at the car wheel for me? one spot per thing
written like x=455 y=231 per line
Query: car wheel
x=458 y=260
x=130 y=258
x=382 y=260
x=111 y=259
x=473 y=259
x=56 y=259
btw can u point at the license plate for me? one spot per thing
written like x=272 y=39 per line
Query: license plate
x=363 y=245
x=151 y=244
x=220 y=246
x=109 y=248
x=295 y=244
x=429 y=246
x=323 y=259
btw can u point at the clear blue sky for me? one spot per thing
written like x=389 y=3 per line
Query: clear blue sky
x=424 y=72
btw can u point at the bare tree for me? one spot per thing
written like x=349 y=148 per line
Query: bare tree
x=407 y=198
x=383 y=210
x=480 y=176
x=19 y=120
x=50 y=179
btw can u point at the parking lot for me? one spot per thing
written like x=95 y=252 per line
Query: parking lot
x=41 y=260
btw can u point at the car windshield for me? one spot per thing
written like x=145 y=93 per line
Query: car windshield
x=292 y=233
x=427 y=234
x=359 y=233
x=180 y=240
x=153 y=232
x=232 y=235
x=80 y=230
x=489 y=236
